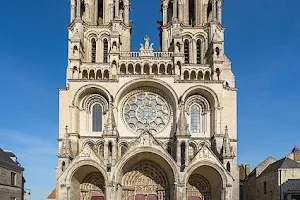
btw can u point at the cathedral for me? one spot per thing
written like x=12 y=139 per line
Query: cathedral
x=147 y=125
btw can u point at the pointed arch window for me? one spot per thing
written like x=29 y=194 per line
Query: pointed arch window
x=94 y=50
x=97 y=118
x=199 y=52
x=105 y=50
x=186 y=51
x=195 y=118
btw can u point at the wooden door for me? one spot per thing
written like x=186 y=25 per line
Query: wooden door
x=140 y=197
x=97 y=198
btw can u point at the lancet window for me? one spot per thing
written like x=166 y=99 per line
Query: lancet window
x=97 y=114
x=105 y=50
x=198 y=114
x=195 y=118
x=93 y=50
x=186 y=51
x=199 y=52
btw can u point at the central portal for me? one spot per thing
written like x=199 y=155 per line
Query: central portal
x=145 y=180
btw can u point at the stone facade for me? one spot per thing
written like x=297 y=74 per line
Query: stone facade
x=11 y=177
x=272 y=179
x=146 y=124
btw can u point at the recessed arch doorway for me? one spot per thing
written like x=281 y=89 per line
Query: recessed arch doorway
x=87 y=183
x=204 y=183
x=147 y=176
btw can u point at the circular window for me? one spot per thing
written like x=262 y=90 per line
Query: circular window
x=146 y=111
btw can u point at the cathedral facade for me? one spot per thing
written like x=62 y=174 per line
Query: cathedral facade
x=147 y=125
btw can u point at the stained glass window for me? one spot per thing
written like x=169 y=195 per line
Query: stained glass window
x=195 y=118
x=97 y=118
x=146 y=111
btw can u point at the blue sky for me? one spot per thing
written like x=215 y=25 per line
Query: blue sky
x=262 y=41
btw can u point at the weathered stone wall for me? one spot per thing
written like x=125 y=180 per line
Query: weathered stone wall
x=6 y=190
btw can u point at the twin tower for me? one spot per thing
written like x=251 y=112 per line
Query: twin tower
x=191 y=34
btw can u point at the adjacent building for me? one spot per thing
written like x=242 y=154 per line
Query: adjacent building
x=146 y=124
x=275 y=179
x=11 y=177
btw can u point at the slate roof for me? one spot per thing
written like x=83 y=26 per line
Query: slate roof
x=7 y=161
x=285 y=163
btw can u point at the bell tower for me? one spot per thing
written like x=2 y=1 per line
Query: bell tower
x=99 y=30
x=193 y=30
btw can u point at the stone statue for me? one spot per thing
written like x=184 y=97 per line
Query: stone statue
x=146 y=45
x=146 y=39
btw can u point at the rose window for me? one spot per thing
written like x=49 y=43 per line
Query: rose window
x=146 y=111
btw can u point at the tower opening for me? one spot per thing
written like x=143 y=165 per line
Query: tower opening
x=170 y=12
x=209 y=12
x=186 y=51
x=100 y=15
x=192 y=17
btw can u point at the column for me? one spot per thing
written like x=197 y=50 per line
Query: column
x=74 y=120
x=222 y=194
x=165 y=9
x=111 y=12
x=79 y=8
x=126 y=14
x=117 y=9
x=220 y=11
x=180 y=14
x=186 y=12
x=214 y=10
x=105 y=153
x=175 y=3
x=195 y=11
x=178 y=152
x=186 y=153
x=164 y=41
x=114 y=153
x=194 y=51
x=72 y=12
x=96 y=12
x=87 y=12
x=218 y=120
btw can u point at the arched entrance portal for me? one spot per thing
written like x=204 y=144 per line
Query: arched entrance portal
x=88 y=184
x=147 y=176
x=205 y=183
x=198 y=188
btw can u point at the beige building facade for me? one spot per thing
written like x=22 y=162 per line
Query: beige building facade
x=147 y=125
x=275 y=179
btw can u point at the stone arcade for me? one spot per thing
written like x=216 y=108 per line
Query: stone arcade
x=147 y=125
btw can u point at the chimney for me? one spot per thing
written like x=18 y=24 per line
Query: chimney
x=247 y=169
x=296 y=153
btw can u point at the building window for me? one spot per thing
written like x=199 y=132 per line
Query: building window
x=105 y=50
x=97 y=118
x=186 y=52
x=13 y=198
x=94 y=50
x=265 y=187
x=124 y=149
x=13 y=179
x=228 y=166
x=198 y=52
x=195 y=118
